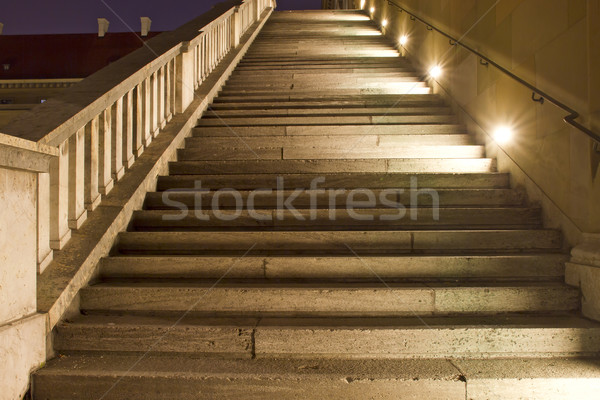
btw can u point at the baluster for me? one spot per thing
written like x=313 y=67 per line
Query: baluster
x=117 y=140
x=173 y=87
x=77 y=211
x=128 y=126
x=168 y=112
x=140 y=136
x=154 y=104
x=146 y=100
x=105 y=183
x=92 y=196
x=161 y=98
x=44 y=252
x=59 y=198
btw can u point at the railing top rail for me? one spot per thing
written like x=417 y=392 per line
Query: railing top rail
x=569 y=119
x=60 y=117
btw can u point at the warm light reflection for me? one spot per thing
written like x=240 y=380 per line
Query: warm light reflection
x=503 y=134
x=384 y=23
x=403 y=40
x=435 y=72
x=372 y=10
x=362 y=4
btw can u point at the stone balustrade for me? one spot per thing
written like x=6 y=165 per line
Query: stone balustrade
x=104 y=123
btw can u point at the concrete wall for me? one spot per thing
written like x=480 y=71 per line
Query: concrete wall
x=22 y=329
x=552 y=44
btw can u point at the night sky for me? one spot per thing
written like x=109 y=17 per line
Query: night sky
x=21 y=17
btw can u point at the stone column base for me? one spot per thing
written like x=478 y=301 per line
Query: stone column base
x=583 y=271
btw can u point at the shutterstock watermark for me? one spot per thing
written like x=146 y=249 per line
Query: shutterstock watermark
x=304 y=204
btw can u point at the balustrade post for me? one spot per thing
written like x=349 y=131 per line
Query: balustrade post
x=117 y=140
x=77 y=211
x=185 y=79
x=235 y=28
x=44 y=252
x=59 y=198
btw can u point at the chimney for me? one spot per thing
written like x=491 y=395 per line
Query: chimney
x=102 y=26
x=1 y=27
x=146 y=22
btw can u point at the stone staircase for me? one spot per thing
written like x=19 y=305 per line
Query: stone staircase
x=335 y=296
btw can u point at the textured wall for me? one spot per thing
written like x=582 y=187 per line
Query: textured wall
x=553 y=44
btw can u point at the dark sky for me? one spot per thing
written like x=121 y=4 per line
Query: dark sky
x=79 y=16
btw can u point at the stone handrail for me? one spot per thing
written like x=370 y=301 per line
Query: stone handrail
x=101 y=125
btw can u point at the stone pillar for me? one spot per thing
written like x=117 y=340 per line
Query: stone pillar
x=23 y=171
x=44 y=252
x=185 y=79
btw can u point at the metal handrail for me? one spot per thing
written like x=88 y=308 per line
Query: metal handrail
x=569 y=119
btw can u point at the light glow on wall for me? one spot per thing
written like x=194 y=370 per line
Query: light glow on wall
x=503 y=134
x=372 y=10
x=384 y=23
x=362 y=4
x=403 y=40
x=435 y=72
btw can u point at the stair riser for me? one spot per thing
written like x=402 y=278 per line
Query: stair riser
x=296 y=301
x=447 y=198
x=338 y=242
x=464 y=165
x=145 y=387
x=337 y=268
x=315 y=130
x=374 y=181
x=206 y=217
x=348 y=343
x=283 y=112
x=329 y=120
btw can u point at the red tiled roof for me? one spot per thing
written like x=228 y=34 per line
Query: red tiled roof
x=63 y=56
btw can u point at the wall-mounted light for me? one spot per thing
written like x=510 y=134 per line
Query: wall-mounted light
x=503 y=134
x=403 y=40
x=435 y=72
x=372 y=10
x=384 y=23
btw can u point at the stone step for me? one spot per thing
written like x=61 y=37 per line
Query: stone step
x=329 y=130
x=206 y=217
x=308 y=120
x=348 y=105
x=174 y=199
x=490 y=180
x=390 y=269
x=398 y=89
x=341 y=73
x=321 y=111
x=332 y=166
x=314 y=98
x=327 y=299
x=156 y=377
x=326 y=141
x=339 y=242
x=319 y=81
x=240 y=150
x=560 y=335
